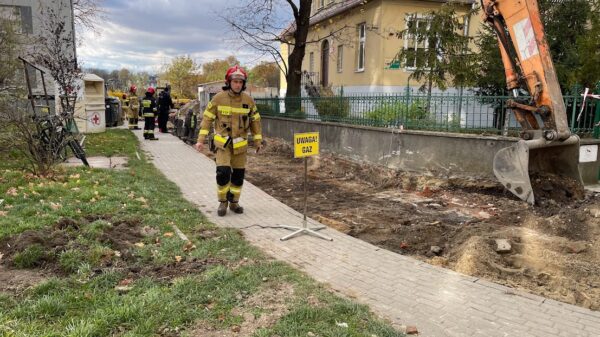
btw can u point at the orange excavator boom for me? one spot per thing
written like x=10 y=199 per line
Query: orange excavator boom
x=547 y=145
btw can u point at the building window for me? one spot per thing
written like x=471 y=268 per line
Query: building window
x=340 y=58
x=20 y=15
x=311 y=62
x=360 y=58
x=414 y=43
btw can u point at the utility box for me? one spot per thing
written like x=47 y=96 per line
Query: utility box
x=90 y=105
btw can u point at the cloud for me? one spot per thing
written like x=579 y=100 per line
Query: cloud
x=146 y=34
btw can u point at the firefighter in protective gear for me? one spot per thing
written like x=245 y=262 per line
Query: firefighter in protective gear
x=234 y=115
x=133 y=107
x=149 y=111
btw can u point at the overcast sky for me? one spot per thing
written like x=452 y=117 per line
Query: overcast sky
x=145 y=34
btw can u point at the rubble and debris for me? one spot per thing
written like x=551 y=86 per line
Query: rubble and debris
x=392 y=210
x=502 y=246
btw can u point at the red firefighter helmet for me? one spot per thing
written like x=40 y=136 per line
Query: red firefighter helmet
x=151 y=90
x=236 y=73
x=133 y=89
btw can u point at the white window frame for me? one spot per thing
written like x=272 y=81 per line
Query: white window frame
x=418 y=18
x=361 y=42
x=340 y=58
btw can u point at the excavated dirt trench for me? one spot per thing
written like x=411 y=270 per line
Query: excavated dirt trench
x=451 y=222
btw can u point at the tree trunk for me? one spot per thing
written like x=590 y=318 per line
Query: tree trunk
x=294 y=75
x=429 y=87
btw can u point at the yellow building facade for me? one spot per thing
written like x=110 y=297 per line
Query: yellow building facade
x=354 y=43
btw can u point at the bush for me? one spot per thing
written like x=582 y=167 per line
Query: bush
x=396 y=112
x=331 y=107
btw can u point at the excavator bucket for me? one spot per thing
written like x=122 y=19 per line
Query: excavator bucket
x=514 y=164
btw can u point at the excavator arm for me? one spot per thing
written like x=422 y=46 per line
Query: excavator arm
x=546 y=145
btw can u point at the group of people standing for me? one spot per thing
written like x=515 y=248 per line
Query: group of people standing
x=149 y=108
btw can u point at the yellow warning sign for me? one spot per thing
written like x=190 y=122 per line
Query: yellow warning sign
x=306 y=144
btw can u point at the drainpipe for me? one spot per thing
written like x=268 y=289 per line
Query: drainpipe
x=73 y=32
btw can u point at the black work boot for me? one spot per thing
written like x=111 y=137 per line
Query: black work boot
x=152 y=137
x=236 y=208
x=222 y=210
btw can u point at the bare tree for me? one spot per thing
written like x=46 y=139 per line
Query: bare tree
x=87 y=13
x=265 y=25
x=55 y=51
x=17 y=128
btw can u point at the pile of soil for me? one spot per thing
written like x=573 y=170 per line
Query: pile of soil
x=121 y=236
x=451 y=221
x=62 y=236
x=553 y=188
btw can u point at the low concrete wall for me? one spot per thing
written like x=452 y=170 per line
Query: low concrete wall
x=436 y=152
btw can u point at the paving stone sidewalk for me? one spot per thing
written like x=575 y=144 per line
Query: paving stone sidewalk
x=438 y=301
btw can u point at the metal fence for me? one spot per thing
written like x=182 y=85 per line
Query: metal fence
x=440 y=112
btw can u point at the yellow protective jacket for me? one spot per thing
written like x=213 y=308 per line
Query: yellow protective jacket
x=234 y=116
x=134 y=106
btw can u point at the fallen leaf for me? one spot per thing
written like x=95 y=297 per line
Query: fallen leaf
x=8 y=206
x=149 y=231
x=139 y=245
x=142 y=199
x=96 y=192
x=131 y=195
x=12 y=192
x=75 y=176
x=93 y=200
x=55 y=206
x=122 y=289
x=117 y=253
x=188 y=246
x=168 y=234
x=125 y=282
x=3 y=213
x=75 y=189
x=177 y=258
x=341 y=324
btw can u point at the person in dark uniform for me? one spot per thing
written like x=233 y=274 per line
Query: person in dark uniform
x=165 y=104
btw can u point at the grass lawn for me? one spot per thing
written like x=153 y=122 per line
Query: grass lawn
x=91 y=252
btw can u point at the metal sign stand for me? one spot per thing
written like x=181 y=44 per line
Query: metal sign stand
x=304 y=229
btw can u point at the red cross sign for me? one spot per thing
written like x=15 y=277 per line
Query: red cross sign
x=96 y=119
